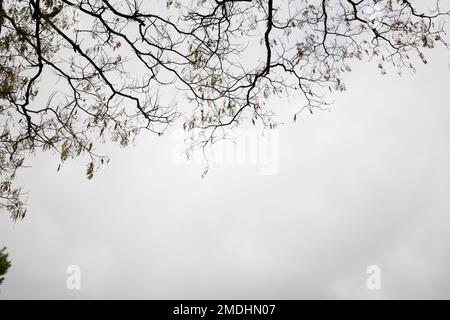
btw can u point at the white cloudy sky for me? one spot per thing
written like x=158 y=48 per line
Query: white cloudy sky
x=365 y=184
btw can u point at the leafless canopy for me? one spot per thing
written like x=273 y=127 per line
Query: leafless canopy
x=74 y=72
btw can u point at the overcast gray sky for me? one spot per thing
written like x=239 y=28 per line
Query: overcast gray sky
x=365 y=184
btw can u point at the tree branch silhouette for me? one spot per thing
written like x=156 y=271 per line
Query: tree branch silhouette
x=74 y=73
